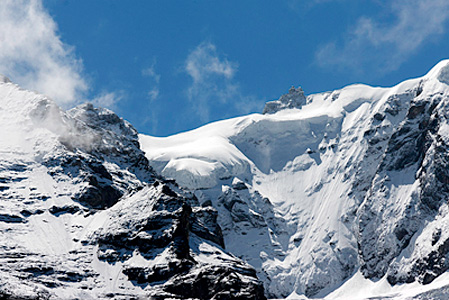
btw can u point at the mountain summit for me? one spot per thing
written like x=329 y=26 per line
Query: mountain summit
x=294 y=99
x=336 y=195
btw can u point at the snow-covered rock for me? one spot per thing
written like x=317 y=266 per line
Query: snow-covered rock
x=348 y=183
x=84 y=216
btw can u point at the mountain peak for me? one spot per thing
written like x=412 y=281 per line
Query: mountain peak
x=4 y=79
x=99 y=117
x=293 y=99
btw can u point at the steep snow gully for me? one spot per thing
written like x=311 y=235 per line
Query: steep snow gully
x=337 y=195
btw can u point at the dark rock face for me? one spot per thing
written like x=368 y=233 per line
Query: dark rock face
x=165 y=224
x=205 y=225
x=8 y=296
x=100 y=191
x=161 y=223
x=245 y=213
x=213 y=282
x=418 y=151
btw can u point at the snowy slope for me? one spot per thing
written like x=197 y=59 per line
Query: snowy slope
x=84 y=216
x=348 y=187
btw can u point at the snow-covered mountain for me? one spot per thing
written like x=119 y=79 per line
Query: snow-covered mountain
x=84 y=216
x=341 y=194
x=338 y=195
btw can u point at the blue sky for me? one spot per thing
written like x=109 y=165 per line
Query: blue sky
x=170 y=66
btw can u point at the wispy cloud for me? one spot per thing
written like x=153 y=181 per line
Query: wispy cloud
x=384 y=46
x=298 y=5
x=109 y=99
x=150 y=72
x=212 y=82
x=152 y=117
x=203 y=62
x=33 y=55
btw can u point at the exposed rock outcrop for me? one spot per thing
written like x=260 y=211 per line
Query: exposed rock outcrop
x=294 y=99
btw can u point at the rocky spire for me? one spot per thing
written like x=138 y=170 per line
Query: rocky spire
x=294 y=99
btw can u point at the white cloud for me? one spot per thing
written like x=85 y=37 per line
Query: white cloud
x=386 y=45
x=211 y=80
x=203 y=62
x=108 y=99
x=33 y=55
